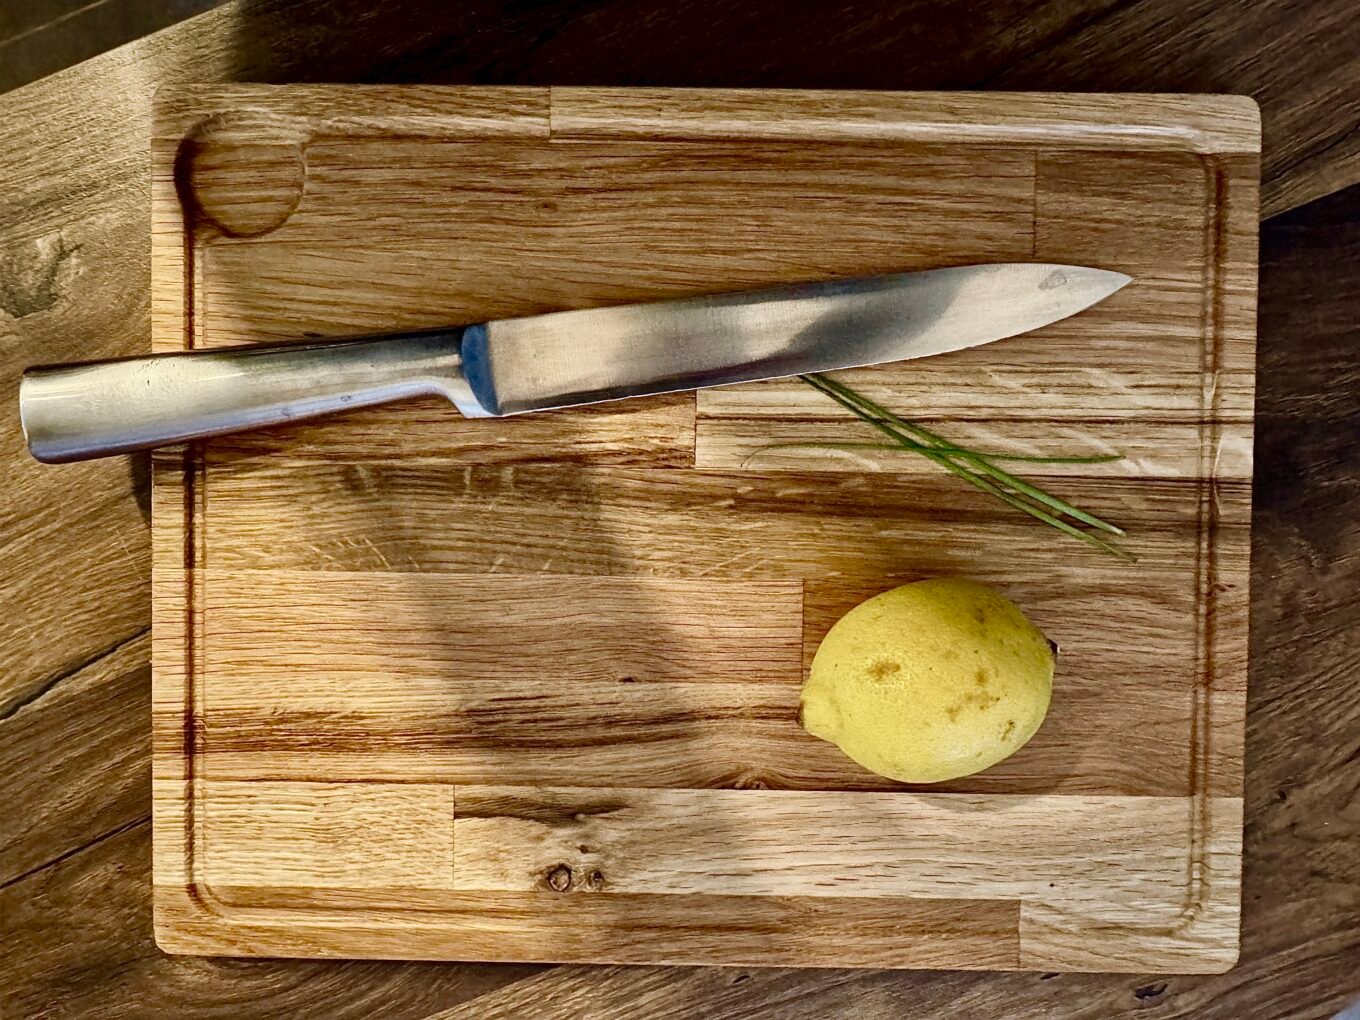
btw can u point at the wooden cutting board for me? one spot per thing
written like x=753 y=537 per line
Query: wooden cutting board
x=525 y=689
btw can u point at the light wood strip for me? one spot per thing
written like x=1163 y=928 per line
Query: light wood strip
x=357 y=111
x=383 y=639
x=177 y=616
x=1198 y=934
x=487 y=628
x=638 y=929
x=651 y=431
x=350 y=835
x=544 y=519
x=491 y=230
x=1148 y=449
x=822 y=844
x=1152 y=122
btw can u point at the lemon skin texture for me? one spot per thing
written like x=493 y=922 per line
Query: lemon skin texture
x=930 y=681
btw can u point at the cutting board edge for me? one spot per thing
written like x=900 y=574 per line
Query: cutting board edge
x=1206 y=123
x=175 y=494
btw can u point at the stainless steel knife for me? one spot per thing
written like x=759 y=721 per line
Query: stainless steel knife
x=512 y=366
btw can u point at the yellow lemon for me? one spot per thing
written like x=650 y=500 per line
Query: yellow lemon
x=931 y=681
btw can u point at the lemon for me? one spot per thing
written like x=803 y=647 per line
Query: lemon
x=930 y=681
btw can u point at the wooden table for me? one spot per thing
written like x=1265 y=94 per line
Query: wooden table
x=75 y=881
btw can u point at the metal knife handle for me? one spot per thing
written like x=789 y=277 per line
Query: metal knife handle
x=77 y=412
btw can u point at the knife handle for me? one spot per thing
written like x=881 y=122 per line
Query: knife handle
x=96 y=409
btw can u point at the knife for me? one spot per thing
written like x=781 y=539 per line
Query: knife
x=562 y=359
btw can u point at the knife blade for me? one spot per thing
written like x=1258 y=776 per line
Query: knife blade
x=560 y=359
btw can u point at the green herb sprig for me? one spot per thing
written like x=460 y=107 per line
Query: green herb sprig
x=977 y=468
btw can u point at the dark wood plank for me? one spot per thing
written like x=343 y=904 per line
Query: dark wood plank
x=1297 y=58
x=76 y=564
x=38 y=37
x=20 y=20
x=90 y=740
x=78 y=944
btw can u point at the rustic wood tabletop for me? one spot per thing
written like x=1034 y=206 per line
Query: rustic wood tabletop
x=75 y=854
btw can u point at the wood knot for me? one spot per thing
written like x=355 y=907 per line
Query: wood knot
x=35 y=279
x=559 y=878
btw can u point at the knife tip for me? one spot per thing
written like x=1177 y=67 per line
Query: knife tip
x=1090 y=285
x=1111 y=279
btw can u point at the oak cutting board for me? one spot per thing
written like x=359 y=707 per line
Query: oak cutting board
x=525 y=689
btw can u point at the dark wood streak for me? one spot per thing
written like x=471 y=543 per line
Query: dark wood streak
x=193 y=742
x=1206 y=546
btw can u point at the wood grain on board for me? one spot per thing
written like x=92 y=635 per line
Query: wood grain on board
x=530 y=694
x=75 y=268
